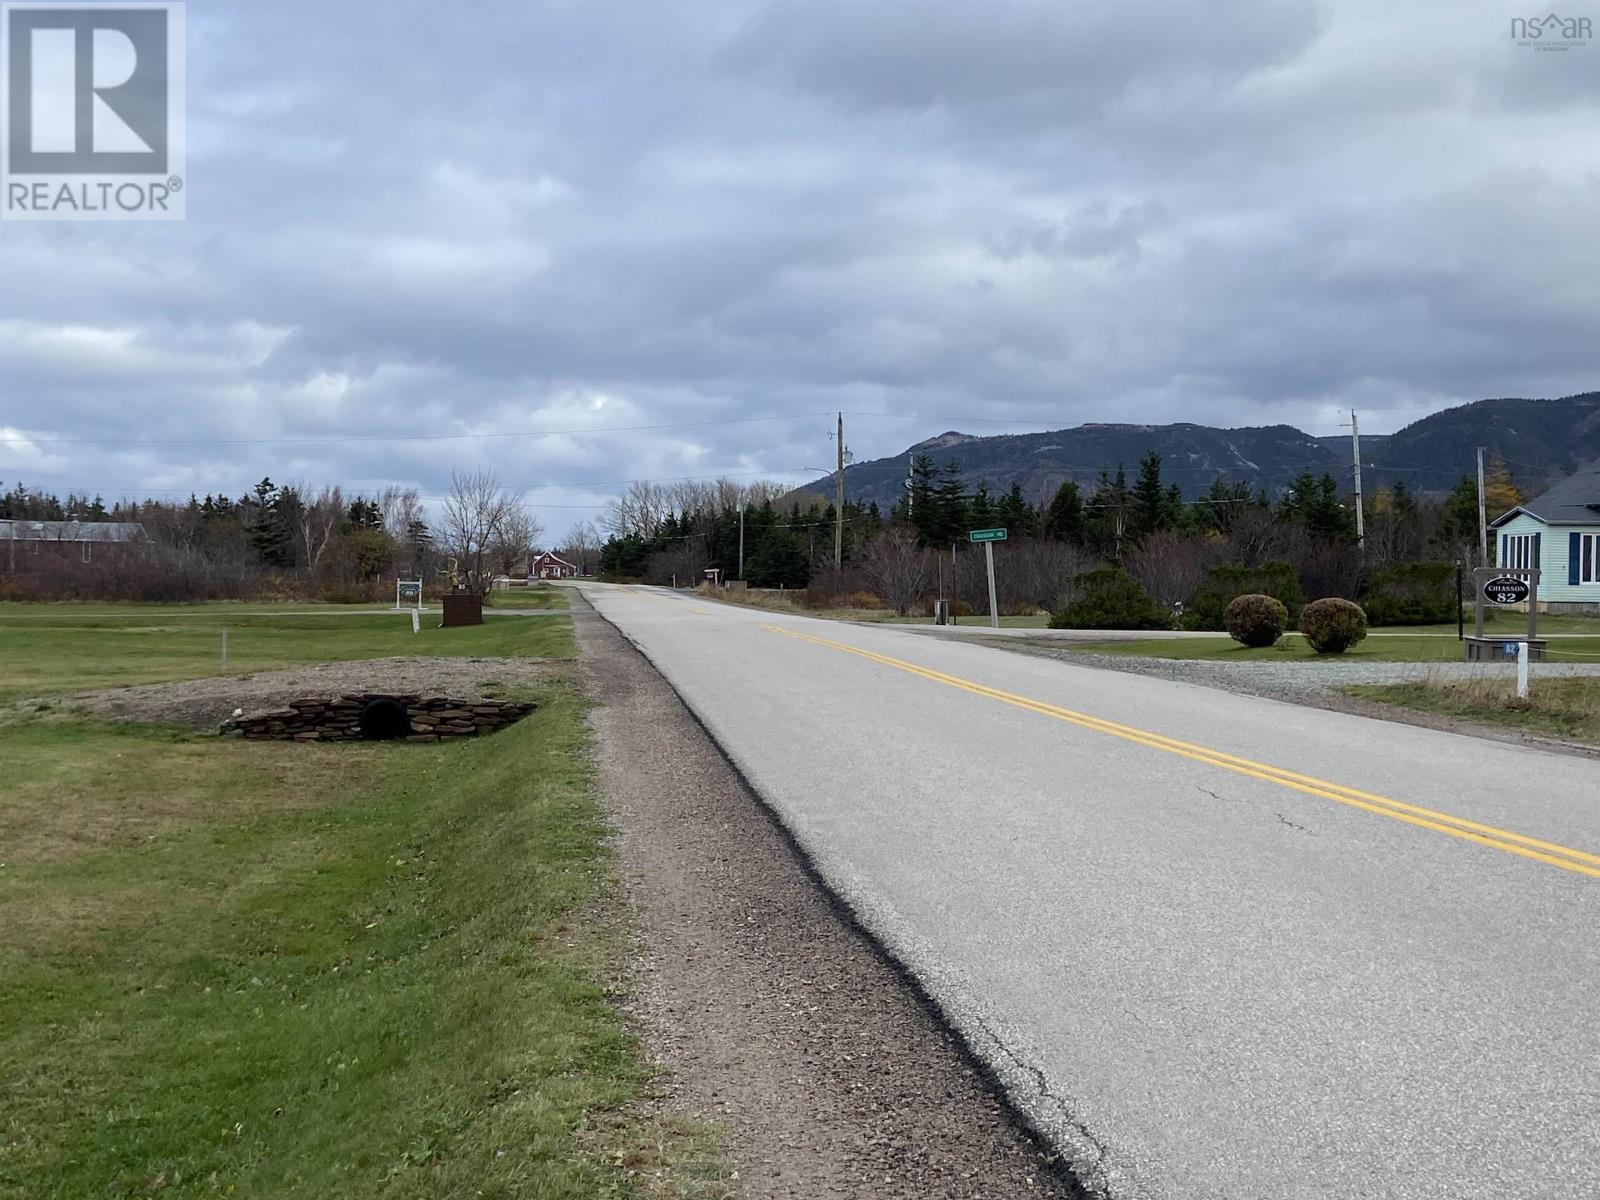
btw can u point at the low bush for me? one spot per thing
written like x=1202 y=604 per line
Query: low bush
x=1333 y=625
x=1255 y=620
x=1110 y=598
x=861 y=600
x=1420 y=593
x=1206 y=609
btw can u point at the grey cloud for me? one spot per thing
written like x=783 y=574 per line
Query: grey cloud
x=492 y=217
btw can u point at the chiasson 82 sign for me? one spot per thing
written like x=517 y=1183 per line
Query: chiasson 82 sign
x=1506 y=589
x=92 y=112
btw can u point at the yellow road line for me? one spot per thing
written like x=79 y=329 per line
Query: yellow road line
x=682 y=606
x=1551 y=853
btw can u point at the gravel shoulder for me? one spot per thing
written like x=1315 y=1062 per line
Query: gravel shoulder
x=206 y=703
x=772 y=1015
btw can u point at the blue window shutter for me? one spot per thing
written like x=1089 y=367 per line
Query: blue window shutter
x=1538 y=538
x=1574 y=551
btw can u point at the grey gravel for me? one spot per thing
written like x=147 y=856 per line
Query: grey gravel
x=773 y=1017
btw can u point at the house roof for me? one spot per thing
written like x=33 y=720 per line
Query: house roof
x=72 y=531
x=1573 y=501
x=546 y=554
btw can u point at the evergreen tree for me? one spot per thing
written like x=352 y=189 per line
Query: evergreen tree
x=1316 y=506
x=779 y=561
x=1225 y=502
x=1063 y=520
x=1016 y=514
x=1458 y=522
x=951 y=520
x=1148 y=509
x=981 y=512
x=918 y=508
x=268 y=531
x=1106 y=522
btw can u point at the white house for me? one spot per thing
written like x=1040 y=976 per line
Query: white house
x=1559 y=533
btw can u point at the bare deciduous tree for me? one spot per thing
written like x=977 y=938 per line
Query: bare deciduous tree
x=317 y=520
x=638 y=511
x=897 y=569
x=477 y=514
x=518 y=535
x=580 y=546
x=1171 y=567
x=402 y=511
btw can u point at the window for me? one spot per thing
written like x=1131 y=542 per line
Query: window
x=1516 y=550
x=1589 y=558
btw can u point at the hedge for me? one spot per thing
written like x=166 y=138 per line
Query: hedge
x=1207 y=608
x=1421 y=593
x=1110 y=598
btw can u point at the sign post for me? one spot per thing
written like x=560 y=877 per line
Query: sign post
x=989 y=537
x=408 y=593
x=1502 y=587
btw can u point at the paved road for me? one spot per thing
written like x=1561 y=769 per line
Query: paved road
x=1201 y=976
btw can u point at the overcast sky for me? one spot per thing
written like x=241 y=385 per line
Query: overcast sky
x=474 y=217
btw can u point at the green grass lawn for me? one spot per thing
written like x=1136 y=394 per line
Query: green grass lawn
x=540 y=595
x=274 y=970
x=48 y=649
x=1563 y=707
x=1381 y=645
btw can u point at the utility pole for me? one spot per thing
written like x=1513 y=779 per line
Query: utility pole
x=1483 y=520
x=741 y=541
x=1355 y=449
x=838 y=501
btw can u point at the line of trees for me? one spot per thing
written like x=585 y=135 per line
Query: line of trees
x=1168 y=544
x=289 y=539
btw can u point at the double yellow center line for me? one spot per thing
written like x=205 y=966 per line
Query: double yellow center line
x=1550 y=853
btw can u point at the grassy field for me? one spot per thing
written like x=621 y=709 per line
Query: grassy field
x=1565 y=708
x=255 y=969
x=48 y=649
x=540 y=595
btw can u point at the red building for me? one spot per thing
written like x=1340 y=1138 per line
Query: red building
x=545 y=565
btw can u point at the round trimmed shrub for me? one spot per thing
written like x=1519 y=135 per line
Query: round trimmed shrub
x=1333 y=625
x=1255 y=620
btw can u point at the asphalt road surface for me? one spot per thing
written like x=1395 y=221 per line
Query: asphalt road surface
x=1213 y=945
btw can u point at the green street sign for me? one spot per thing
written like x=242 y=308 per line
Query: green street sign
x=986 y=535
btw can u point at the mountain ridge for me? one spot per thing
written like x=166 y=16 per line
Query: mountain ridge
x=1541 y=441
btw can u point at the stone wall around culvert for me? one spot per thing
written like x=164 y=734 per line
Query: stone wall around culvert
x=338 y=718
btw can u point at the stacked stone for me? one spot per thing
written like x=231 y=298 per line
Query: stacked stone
x=338 y=719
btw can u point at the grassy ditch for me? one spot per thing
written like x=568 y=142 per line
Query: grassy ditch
x=269 y=970
x=1567 y=708
x=48 y=649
